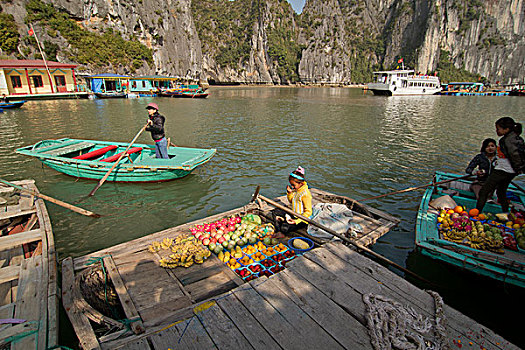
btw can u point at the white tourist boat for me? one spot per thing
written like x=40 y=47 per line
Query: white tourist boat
x=402 y=82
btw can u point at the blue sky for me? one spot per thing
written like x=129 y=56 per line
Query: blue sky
x=297 y=5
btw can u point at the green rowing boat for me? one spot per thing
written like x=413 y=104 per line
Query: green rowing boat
x=92 y=159
x=507 y=264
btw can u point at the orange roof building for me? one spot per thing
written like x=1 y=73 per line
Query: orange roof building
x=33 y=77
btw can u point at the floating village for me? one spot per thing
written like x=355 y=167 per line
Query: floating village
x=275 y=273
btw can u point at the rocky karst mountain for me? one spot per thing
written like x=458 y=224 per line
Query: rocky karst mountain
x=264 y=41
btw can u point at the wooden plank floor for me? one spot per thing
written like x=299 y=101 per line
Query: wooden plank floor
x=316 y=302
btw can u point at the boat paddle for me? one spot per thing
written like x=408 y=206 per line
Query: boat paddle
x=118 y=161
x=332 y=232
x=418 y=187
x=52 y=200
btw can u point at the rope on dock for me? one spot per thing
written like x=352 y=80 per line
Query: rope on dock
x=393 y=325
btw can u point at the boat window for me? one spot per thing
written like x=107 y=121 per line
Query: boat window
x=16 y=81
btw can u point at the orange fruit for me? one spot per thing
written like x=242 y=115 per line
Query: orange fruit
x=473 y=212
x=482 y=216
x=458 y=209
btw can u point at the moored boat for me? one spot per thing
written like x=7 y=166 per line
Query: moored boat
x=465 y=244
x=28 y=275
x=148 y=296
x=111 y=94
x=184 y=93
x=9 y=105
x=403 y=82
x=92 y=159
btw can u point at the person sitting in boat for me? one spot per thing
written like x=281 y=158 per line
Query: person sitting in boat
x=485 y=162
x=156 y=127
x=5 y=99
x=300 y=198
x=508 y=165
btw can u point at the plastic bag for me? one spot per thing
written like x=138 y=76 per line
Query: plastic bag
x=334 y=216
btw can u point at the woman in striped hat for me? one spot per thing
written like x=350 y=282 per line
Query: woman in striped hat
x=300 y=198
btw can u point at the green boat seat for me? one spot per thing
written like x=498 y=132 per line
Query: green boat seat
x=69 y=148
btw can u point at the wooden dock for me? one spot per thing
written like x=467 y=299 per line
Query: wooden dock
x=327 y=298
x=316 y=302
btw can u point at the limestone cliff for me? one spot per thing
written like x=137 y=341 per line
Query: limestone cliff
x=332 y=41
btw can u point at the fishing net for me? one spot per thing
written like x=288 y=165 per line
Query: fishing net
x=392 y=325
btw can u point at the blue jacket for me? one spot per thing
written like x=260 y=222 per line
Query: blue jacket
x=483 y=162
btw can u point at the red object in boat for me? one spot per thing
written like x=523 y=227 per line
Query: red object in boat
x=96 y=153
x=114 y=158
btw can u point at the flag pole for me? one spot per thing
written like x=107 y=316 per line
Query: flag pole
x=43 y=57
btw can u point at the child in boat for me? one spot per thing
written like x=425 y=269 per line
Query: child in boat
x=485 y=162
x=508 y=165
x=156 y=127
x=300 y=198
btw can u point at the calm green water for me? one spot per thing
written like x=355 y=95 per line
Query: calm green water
x=349 y=143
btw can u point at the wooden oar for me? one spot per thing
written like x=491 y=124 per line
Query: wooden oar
x=329 y=230
x=52 y=200
x=417 y=187
x=118 y=161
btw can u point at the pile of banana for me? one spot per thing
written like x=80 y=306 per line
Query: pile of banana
x=486 y=243
x=185 y=250
x=454 y=235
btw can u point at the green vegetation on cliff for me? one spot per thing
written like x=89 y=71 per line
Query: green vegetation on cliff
x=447 y=72
x=226 y=31
x=86 y=47
x=9 y=37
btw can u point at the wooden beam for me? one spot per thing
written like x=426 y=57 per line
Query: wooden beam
x=9 y=273
x=7 y=335
x=125 y=299
x=12 y=213
x=80 y=323
x=7 y=242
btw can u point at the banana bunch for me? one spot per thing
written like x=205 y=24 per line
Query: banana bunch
x=476 y=242
x=494 y=245
x=454 y=235
x=185 y=250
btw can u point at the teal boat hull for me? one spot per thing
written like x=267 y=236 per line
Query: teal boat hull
x=507 y=268
x=142 y=166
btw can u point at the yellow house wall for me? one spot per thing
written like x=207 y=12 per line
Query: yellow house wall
x=45 y=89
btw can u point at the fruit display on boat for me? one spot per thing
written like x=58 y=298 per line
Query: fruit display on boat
x=482 y=231
x=183 y=251
x=280 y=247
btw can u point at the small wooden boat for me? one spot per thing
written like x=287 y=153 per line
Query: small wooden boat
x=28 y=274
x=143 y=298
x=92 y=159
x=9 y=105
x=508 y=267
x=111 y=94
x=184 y=93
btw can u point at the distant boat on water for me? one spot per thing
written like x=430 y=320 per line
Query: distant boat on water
x=6 y=105
x=403 y=82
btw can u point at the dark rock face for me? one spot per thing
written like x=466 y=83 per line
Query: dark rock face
x=341 y=41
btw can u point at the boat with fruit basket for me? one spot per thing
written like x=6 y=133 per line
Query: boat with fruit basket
x=491 y=243
x=137 y=288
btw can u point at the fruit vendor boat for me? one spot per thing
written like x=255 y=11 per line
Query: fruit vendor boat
x=9 y=105
x=479 y=244
x=92 y=160
x=28 y=273
x=130 y=292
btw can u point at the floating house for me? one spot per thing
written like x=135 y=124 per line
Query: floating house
x=151 y=84
x=33 y=79
x=108 y=82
